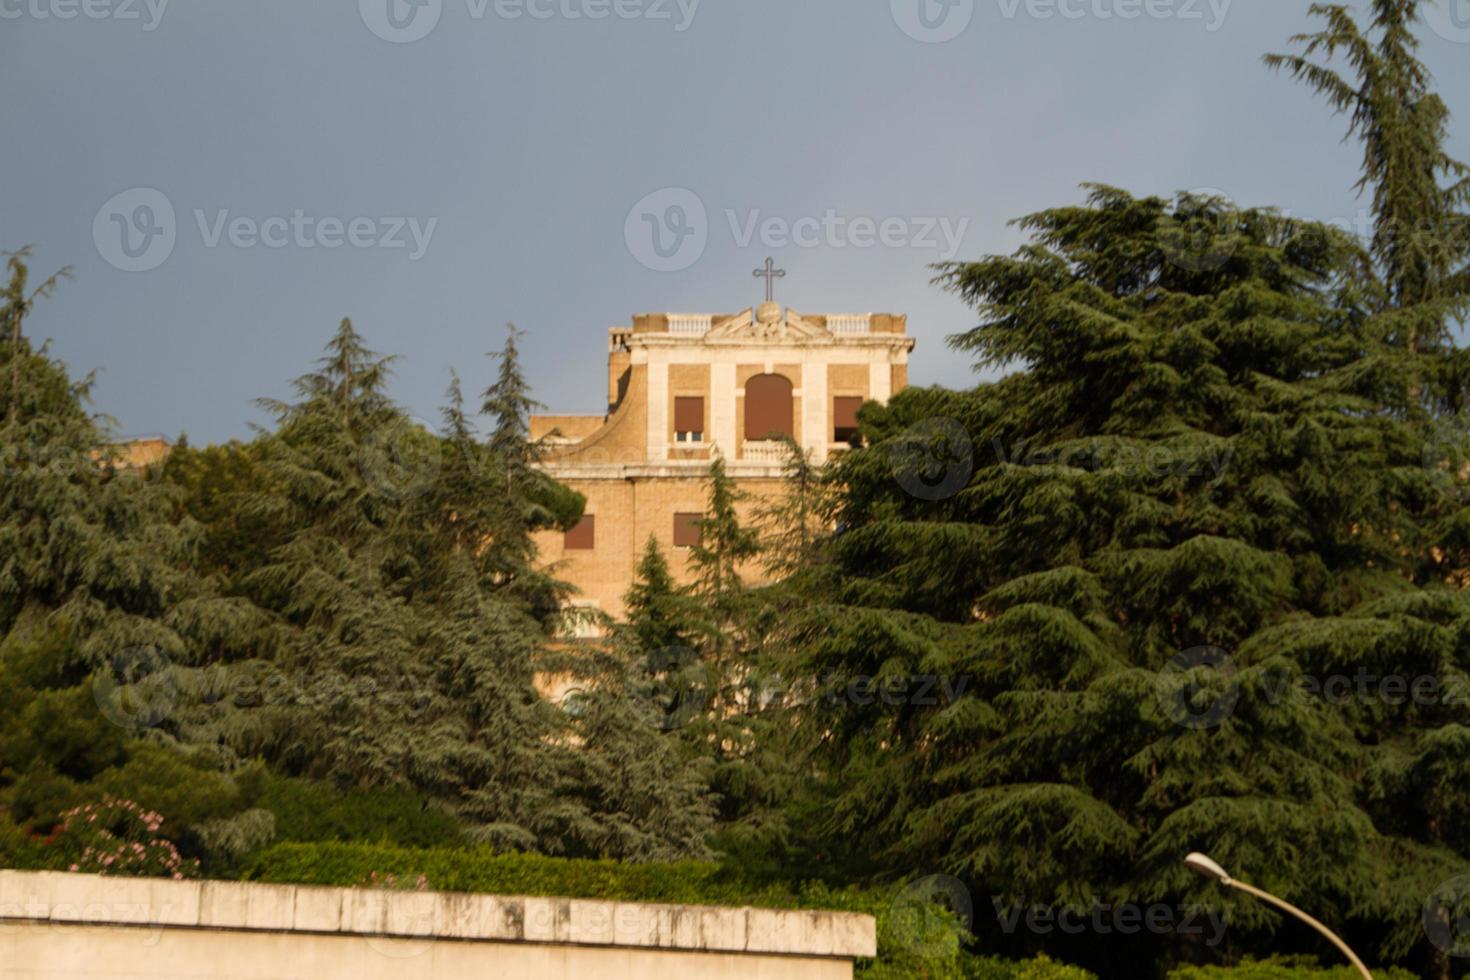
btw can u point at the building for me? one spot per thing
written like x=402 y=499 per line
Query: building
x=683 y=386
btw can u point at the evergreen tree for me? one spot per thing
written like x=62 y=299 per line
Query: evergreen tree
x=1037 y=580
x=98 y=615
x=1421 y=231
x=525 y=499
x=795 y=522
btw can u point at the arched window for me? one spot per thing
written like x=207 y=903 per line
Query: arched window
x=768 y=413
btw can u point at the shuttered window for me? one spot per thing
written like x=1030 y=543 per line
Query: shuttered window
x=768 y=408
x=686 y=530
x=689 y=419
x=582 y=537
x=844 y=418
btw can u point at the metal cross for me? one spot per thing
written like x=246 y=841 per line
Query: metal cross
x=770 y=274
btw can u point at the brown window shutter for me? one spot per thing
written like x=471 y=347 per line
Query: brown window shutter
x=689 y=415
x=583 y=536
x=768 y=409
x=686 y=530
x=844 y=417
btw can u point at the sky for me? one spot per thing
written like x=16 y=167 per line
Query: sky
x=230 y=178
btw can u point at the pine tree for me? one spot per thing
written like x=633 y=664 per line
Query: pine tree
x=526 y=500
x=795 y=522
x=1421 y=233
x=1014 y=648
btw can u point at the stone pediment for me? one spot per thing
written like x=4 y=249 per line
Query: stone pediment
x=769 y=323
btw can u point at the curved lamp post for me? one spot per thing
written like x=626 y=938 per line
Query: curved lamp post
x=1202 y=865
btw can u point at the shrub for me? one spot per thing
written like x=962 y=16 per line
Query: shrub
x=120 y=837
x=1281 y=968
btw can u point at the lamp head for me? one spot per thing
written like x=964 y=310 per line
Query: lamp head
x=1202 y=865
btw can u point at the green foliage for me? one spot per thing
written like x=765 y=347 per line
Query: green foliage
x=119 y=837
x=1281 y=968
x=1192 y=449
x=1421 y=234
x=307 y=811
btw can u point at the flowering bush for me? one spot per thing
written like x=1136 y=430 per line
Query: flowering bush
x=120 y=837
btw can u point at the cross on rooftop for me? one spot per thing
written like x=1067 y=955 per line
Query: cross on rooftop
x=770 y=274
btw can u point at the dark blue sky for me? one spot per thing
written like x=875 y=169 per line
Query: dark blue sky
x=528 y=149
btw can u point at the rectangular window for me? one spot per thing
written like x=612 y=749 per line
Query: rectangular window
x=581 y=537
x=688 y=419
x=686 y=530
x=844 y=418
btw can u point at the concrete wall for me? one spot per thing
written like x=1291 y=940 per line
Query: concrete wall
x=72 y=926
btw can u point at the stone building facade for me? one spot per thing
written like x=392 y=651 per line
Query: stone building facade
x=684 y=386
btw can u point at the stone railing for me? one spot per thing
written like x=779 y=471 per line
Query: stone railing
x=849 y=323
x=764 y=451
x=70 y=925
x=690 y=324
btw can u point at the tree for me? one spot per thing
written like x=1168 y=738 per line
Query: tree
x=1421 y=233
x=795 y=522
x=526 y=500
x=1023 y=644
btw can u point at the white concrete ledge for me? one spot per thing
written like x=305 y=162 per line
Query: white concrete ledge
x=248 y=907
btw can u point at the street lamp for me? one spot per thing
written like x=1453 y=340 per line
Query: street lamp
x=1202 y=865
